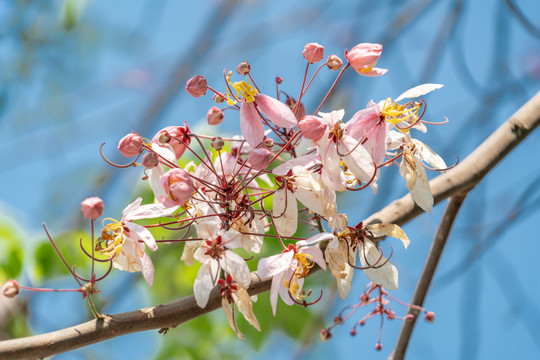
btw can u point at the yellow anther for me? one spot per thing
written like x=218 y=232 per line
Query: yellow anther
x=243 y=90
x=395 y=113
x=114 y=237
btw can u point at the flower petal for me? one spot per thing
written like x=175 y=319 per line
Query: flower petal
x=285 y=212
x=358 y=160
x=316 y=253
x=421 y=193
x=428 y=155
x=276 y=111
x=147 y=269
x=205 y=282
x=245 y=305
x=275 y=264
x=389 y=230
x=407 y=169
x=251 y=124
x=418 y=91
x=386 y=275
x=139 y=232
x=235 y=265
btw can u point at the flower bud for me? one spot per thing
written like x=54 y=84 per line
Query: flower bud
x=378 y=346
x=178 y=185
x=176 y=136
x=325 y=335
x=353 y=332
x=313 y=52
x=150 y=160
x=92 y=208
x=259 y=158
x=363 y=58
x=430 y=316
x=215 y=116
x=279 y=80
x=338 y=320
x=391 y=315
x=11 y=289
x=243 y=68
x=409 y=317
x=197 y=86
x=268 y=143
x=217 y=143
x=312 y=127
x=130 y=145
x=334 y=63
x=218 y=99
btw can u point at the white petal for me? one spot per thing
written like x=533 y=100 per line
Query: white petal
x=236 y=266
x=316 y=254
x=317 y=238
x=270 y=266
x=358 y=161
x=386 y=275
x=243 y=301
x=428 y=155
x=149 y=211
x=285 y=212
x=407 y=169
x=389 y=230
x=166 y=152
x=305 y=161
x=139 y=232
x=189 y=250
x=205 y=282
x=418 y=91
x=421 y=193
x=147 y=269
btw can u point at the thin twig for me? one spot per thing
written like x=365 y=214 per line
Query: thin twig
x=426 y=278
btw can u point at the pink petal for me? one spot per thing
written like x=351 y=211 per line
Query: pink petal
x=147 y=269
x=373 y=72
x=278 y=113
x=138 y=232
x=251 y=124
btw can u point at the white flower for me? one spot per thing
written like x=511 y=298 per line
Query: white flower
x=214 y=254
x=289 y=268
x=125 y=240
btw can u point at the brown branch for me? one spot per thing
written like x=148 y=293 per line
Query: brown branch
x=428 y=272
x=458 y=180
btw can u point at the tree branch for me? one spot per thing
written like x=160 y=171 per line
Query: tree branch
x=460 y=179
x=426 y=278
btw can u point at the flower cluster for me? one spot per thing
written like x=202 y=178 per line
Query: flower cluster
x=285 y=168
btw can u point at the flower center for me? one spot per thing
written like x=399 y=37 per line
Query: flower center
x=112 y=238
x=304 y=263
x=243 y=90
x=395 y=113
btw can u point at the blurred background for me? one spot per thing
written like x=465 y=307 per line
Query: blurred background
x=78 y=73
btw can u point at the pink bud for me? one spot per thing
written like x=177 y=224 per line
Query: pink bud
x=312 y=127
x=430 y=316
x=313 y=52
x=178 y=185
x=92 y=208
x=243 y=68
x=176 y=136
x=11 y=289
x=279 y=80
x=378 y=346
x=130 y=145
x=197 y=86
x=334 y=63
x=353 y=332
x=363 y=58
x=259 y=158
x=215 y=116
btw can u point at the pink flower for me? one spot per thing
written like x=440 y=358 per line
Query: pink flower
x=313 y=52
x=363 y=58
x=92 y=208
x=176 y=136
x=312 y=127
x=178 y=186
x=130 y=145
x=289 y=268
x=197 y=86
